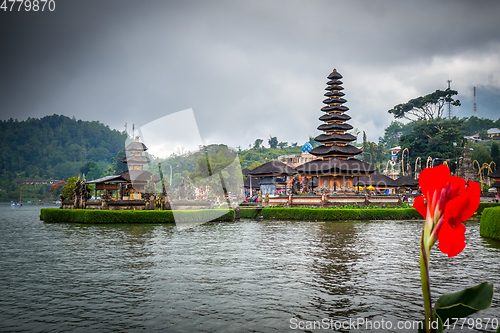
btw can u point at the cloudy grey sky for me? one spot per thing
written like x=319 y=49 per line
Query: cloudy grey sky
x=248 y=69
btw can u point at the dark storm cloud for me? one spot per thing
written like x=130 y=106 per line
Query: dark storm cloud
x=248 y=69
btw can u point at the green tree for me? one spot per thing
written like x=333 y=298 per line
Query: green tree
x=480 y=153
x=67 y=192
x=84 y=169
x=428 y=107
x=365 y=147
x=313 y=142
x=495 y=153
x=257 y=143
x=372 y=153
x=429 y=139
x=282 y=145
x=273 y=142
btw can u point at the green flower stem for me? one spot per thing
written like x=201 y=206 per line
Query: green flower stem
x=426 y=290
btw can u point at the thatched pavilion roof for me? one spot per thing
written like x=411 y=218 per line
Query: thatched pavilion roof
x=334 y=165
x=273 y=168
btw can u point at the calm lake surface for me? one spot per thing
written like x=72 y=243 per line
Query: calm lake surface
x=250 y=276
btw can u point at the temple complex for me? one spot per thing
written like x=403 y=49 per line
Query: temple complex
x=336 y=166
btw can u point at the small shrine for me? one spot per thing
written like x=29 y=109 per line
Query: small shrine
x=273 y=176
x=495 y=179
x=336 y=166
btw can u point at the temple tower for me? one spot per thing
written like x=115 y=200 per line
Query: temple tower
x=335 y=140
x=134 y=159
x=336 y=166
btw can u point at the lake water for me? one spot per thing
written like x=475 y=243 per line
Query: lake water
x=249 y=276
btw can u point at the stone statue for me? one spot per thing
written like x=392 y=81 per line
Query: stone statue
x=182 y=190
x=189 y=187
x=266 y=200
x=324 y=190
x=150 y=187
x=77 y=194
x=308 y=185
x=295 y=185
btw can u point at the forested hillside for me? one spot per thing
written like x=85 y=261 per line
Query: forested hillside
x=53 y=147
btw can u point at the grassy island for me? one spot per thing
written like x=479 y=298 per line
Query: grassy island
x=92 y=216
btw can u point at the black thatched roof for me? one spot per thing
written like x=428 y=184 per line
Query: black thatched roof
x=323 y=167
x=274 y=168
x=335 y=116
x=335 y=137
x=377 y=179
x=332 y=82
x=346 y=150
x=334 y=93
x=496 y=185
x=334 y=126
x=334 y=100
x=329 y=108
x=255 y=182
x=331 y=88
x=494 y=174
x=108 y=179
x=136 y=159
x=334 y=75
x=140 y=176
x=245 y=171
x=405 y=181
x=136 y=146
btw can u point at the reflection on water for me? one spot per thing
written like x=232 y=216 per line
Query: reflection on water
x=227 y=277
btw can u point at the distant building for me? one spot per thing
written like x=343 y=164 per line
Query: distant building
x=494 y=134
x=474 y=137
x=394 y=153
x=295 y=161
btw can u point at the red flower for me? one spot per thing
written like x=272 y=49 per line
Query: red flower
x=450 y=201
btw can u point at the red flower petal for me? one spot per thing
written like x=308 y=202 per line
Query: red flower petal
x=432 y=179
x=420 y=206
x=463 y=206
x=457 y=184
x=451 y=239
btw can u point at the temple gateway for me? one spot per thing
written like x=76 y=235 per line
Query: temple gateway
x=336 y=166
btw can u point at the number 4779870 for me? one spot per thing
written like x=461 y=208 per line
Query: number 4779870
x=28 y=5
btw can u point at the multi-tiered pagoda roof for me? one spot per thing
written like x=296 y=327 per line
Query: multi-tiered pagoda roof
x=335 y=153
x=335 y=140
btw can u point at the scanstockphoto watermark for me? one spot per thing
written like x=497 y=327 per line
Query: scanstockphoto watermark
x=355 y=324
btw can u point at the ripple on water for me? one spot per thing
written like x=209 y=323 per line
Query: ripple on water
x=224 y=277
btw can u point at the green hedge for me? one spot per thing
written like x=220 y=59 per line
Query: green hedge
x=328 y=214
x=490 y=223
x=249 y=213
x=92 y=216
x=484 y=205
